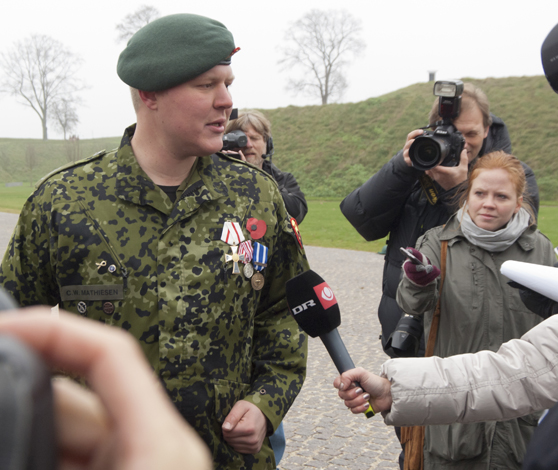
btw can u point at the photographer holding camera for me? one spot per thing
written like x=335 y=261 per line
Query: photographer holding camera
x=404 y=202
x=258 y=151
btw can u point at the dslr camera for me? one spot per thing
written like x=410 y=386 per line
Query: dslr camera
x=234 y=140
x=443 y=145
x=405 y=341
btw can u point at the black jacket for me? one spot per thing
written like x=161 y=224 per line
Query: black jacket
x=542 y=451
x=290 y=191
x=393 y=202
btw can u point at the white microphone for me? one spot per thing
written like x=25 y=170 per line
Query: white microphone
x=541 y=279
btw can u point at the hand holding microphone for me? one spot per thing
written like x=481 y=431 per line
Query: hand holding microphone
x=314 y=306
x=378 y=388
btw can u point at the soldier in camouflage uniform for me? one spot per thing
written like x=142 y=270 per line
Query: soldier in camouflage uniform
x=103 y=239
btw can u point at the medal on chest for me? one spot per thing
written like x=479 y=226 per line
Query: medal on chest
x=232 y=235
x=260 y=262
x=253 y=255
x=246 y=249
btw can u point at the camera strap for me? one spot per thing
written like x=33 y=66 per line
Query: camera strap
x=429 y=188
x=436 y=318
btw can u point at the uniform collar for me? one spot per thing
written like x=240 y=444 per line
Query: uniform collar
x=135 y=186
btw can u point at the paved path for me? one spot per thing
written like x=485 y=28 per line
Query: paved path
x=321 y=432
x=7 y=224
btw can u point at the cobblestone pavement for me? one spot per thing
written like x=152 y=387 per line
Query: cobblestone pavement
x=321 y=433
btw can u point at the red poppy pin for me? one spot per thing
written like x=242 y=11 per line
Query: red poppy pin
x=257 y=228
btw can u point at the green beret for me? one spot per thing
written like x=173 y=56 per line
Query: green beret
x=172 y=50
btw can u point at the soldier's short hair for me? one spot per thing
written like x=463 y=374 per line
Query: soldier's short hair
x=136 y=100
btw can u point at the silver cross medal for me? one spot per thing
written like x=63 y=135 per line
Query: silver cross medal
x=235 y=258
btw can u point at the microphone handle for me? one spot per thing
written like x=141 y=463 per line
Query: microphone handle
x=341 y=358
x=337 y=350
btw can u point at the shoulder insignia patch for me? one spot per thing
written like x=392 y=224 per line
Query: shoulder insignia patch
x=294 y=225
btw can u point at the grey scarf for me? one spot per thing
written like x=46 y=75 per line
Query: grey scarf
x=496 y=241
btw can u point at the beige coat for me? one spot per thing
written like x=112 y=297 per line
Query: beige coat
x=520 y=378
x=479 y=311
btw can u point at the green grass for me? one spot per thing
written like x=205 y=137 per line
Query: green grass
x=13 y=198
x=324 y=225
x=548 y=222
x=333 y=149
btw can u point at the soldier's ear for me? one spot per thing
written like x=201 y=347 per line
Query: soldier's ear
x=149 y=98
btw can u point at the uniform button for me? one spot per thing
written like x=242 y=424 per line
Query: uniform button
x=262 y=391
x=108 y=308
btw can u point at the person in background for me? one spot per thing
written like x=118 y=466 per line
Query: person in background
x=259 y=150
x=518 y=379
x=187 y=249
x=393 y=201
x=478 y=309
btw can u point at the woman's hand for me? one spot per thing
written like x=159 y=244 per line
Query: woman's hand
x=375 y=391
x=422 y=273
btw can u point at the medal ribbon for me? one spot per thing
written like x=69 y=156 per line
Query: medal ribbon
x=246 y=249
x=260 y=256
x=232 y=233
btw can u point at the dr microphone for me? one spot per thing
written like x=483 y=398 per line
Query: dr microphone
x=314 y=307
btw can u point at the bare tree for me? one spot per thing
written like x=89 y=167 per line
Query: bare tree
x=39 y=71
x=64 y=115
x=321 y=44
x=134 y=21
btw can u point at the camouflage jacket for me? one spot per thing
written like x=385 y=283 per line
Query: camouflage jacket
x=100 y=239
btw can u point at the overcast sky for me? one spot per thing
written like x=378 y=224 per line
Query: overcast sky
x=405 y=39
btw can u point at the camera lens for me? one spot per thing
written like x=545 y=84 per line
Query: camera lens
x=405 y=339
x=234 y=140
x=425 y=153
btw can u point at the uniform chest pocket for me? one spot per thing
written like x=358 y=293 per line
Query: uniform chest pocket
x=101 y=302
x=199 y=255
x=209 y=270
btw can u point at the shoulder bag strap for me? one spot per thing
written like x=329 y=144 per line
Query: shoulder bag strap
x=436 y=318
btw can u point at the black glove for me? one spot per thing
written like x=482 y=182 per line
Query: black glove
x=537 y=303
